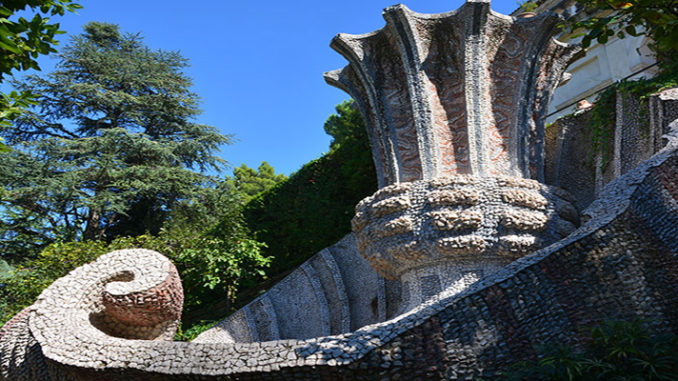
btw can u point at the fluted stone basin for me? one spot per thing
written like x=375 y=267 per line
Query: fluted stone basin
x=451 y=231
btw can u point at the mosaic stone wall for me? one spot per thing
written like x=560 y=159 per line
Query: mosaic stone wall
x=623 y=263
x=571 y=163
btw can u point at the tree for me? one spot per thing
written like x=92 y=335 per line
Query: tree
x=111 y=146
x=346 y=125
x=348 y=131
x=204 y=237
x=657 y=18
x=21 y=42
x=251 y=182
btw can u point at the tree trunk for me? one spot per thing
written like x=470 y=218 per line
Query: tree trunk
x=93 y=229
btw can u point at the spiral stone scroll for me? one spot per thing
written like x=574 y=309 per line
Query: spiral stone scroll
x=125 y=294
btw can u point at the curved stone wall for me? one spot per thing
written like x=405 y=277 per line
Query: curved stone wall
x=623 y=263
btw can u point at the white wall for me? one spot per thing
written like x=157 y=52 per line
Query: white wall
x=602 y=66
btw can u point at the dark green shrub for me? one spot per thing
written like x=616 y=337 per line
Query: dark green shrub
x=618 y=350
x=313 y=208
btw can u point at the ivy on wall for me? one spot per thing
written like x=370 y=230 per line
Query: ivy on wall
x=603 y=114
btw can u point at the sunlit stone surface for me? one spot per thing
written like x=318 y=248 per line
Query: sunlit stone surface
x=454 y=105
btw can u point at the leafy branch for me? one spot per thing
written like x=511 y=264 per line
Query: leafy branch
x=656 y=18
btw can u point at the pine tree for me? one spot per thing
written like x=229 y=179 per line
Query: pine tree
x=110 y=148
x=346 y=126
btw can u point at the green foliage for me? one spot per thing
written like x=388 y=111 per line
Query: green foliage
x=313 y=208
x=210 y=268
x=657 y=18
x=5 y=270
x=31 y=277
x=12 y=105
x=21 y=42
x=203 y=210
x=603 y=114
x=618 y=350
x=528 y=6
x=346 y=126
x=110 y=148
x=193 y=332
x=227 y=259
x=214 y=266
x=250 y=182
x=602 y=126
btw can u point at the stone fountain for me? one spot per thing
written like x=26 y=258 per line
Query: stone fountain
x=462 y=263
x=454 y=105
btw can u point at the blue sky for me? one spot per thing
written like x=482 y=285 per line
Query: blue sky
x=256 y=65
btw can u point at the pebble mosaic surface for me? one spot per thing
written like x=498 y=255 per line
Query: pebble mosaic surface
x=456 y=204
x=623 y=263
x=460 y=219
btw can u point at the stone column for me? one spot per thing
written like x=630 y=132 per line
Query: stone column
x=454 y=106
